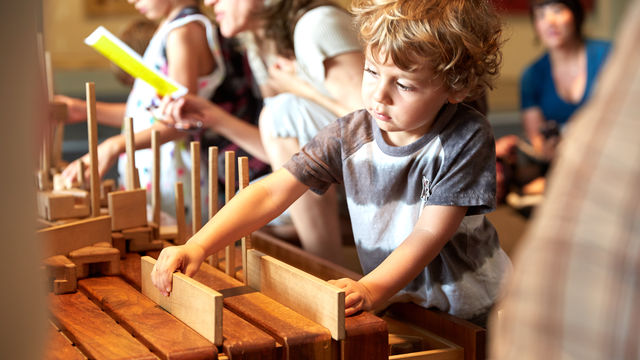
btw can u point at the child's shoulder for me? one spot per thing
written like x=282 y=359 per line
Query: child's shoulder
x=466 y=122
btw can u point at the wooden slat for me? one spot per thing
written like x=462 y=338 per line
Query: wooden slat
x=240 y=340
x=59 y=347
x=92 y=132
x=213 y=193
x=156 y=200
x=229 y=191
x=306 y=294
x=301 y=337
x=62 y=239
x=140 y=316
x=95 y=333
x=195 y=304
x=181 y=226
x=196 y=202
x=128 y=209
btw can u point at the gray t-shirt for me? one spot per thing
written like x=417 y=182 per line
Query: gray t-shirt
x=387 y=188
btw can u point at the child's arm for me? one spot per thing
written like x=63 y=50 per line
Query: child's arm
x=434 y=228
x=110 y=114
x=188 y=55
x=249 y=210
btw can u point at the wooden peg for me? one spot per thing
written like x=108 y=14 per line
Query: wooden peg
x=131 y=161
x=196 y=219
x=243 y=179
x=155 y=177
x=181 y=222
x=92 y=127
x=80 y=176
x=229 y=191
x=213 y=193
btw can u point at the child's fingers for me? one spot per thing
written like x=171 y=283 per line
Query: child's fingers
x=162 y=273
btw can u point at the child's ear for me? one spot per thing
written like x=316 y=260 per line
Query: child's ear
x=457 y=97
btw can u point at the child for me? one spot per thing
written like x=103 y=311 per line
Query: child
x=418 y=167
x=185 y=47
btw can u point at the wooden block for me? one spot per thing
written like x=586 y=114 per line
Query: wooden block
x=143 y=318
x=62 y=274
x=229 y=191
x=135 y=246
x=95 y=333
x=196 y=305
x=63 y=204
x=301 y=337
x=96 y=260
x=119 y=242
x=181 y=225
x=92 y=132
x=213 y=193
x=62 y=239
x=128 y=209
x=106 y=187
x=168 y=232
x=306 y=294
x=59 y=347
x=130 y=150
x=196 y=203
x=156 y=202
x=140 y=233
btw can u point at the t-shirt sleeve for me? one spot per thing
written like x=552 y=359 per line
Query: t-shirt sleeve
x=320 y=34
x=529 y=94
x=319 y=164
x=467 y=176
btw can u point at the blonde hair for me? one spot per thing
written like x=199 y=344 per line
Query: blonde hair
x=459 y=39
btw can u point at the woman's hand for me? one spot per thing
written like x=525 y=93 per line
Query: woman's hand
x=184 y=258
x=77 y=109
x=191 y=111
x=357 y=296
x=283 y=78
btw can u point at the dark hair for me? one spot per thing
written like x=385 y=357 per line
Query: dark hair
x=280 y=21
x=575 y=6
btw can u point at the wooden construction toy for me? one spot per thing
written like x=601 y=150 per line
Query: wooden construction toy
x=92 y=129
x=92 y=260
x=61 y=274
x=127 y=208
x=213 y=193
x=63 y=204
x=62 y=239
x=229 y=191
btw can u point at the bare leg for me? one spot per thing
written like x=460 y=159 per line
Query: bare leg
x=315 y=217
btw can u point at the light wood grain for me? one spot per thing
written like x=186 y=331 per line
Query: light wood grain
x=195 y=304
x=92 y=129
x=130 y=150
x=229 y=191
x=181 y=223
x=306 y=294
x=213 y=193
x=155 y=177
x=128 y=208
x=243 y=179
x=196 y=203
x=62 y=239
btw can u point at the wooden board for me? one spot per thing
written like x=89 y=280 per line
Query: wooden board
x=128 y=209
x=61 y=204
x=240 y=340
x=95 y=333
x=140 y=316
x=59 y=347
x=195 y=304
x=62 y=239
x=306 y=294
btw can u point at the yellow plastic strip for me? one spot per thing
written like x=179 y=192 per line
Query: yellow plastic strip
x=128 y=60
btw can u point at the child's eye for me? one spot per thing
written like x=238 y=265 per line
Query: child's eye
x=370 y=71
x=404 y=87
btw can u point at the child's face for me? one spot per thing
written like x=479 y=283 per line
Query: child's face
x=235 y=16
x=554 y=24
x=404 y=104
x=152 y=9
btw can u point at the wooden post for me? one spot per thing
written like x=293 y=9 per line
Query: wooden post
x=243 y=179
x=131 y=161
x=213 y=193
x=196 y=219
x=80 y=176
x=181 y=223
x=155 y=178
x=229 y=191
x=92 y=127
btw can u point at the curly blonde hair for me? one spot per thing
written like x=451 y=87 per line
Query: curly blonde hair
x=459 y=39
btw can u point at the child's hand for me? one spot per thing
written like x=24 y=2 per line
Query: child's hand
x=108 y=152
x=190 y=111
x=76 y=108
x=184 y=258
x=357 y=296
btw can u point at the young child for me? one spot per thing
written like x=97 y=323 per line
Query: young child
x=417 y=165
x=185 y=47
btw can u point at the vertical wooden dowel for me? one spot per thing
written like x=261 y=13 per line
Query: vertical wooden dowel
x=229 y=191
x=155 y=178
x=131 y=160
x=49 y=75
x=196 y=200
x=136 y=179
x=243 y=182
x=80 y=176
x=92 y=127
x=180 y=218
x=213 y=193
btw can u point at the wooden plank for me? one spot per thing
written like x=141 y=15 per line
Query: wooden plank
x=156 y=202
x=243 y=179
x=61 y=274
x=59 y=347
x=241 y=340
x=62 y=239
x=213 y=193
x=301 y=337
x=142 y=317
x=95 y=333
x=128 y=209
x=130 y=151
x=92 y=130
x=229 y=191
x=195 y=304
x=196 y=202
x=63 y=204
x=93 y=260
x=306 y=294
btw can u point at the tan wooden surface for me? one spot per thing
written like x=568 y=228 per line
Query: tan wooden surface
x=181 y=223
x=128 y=209
x=156 y=203
x=62 y=239
x=195 y=304
x=92 y=127
x=213 y=192
x=59 y=347
x=309 y=296
x=196 y=202
x=229 y=191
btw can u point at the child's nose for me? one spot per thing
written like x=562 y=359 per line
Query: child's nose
x=381 y=94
